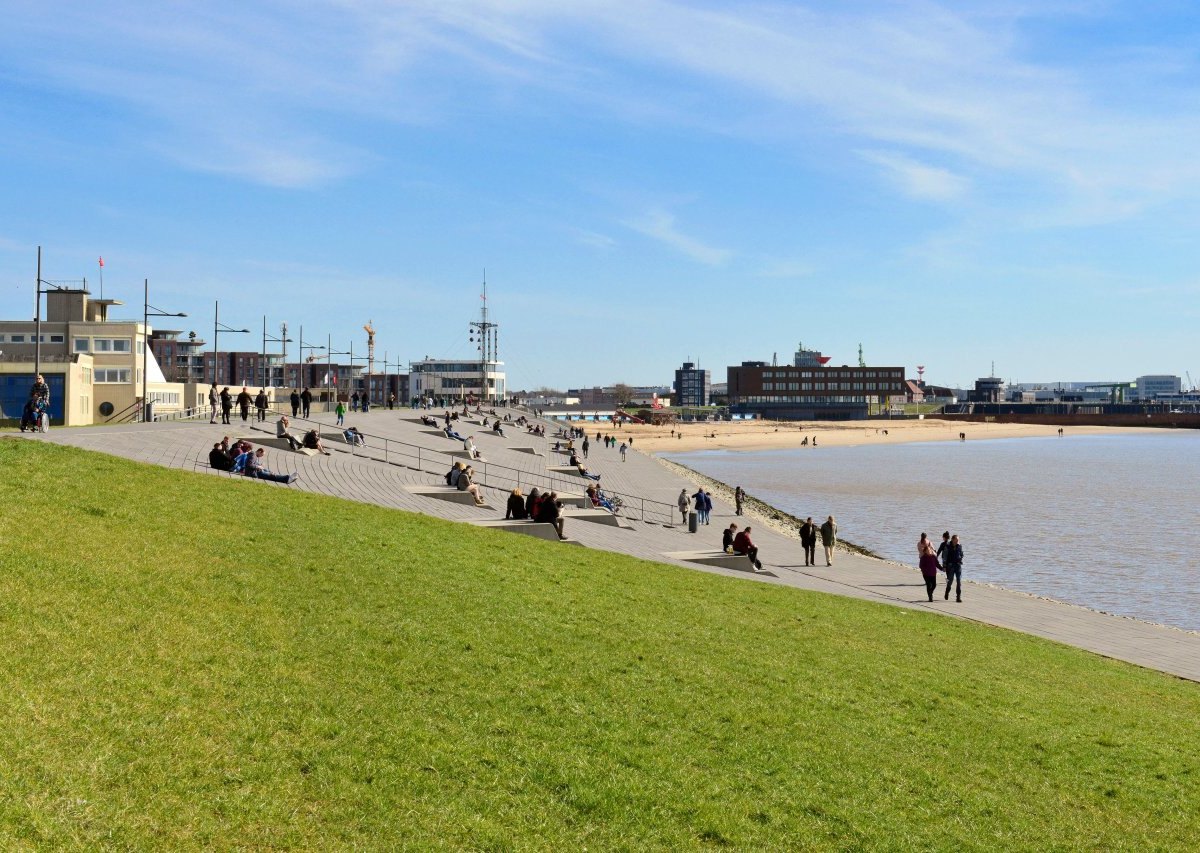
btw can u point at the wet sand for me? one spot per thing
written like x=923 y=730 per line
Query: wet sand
x=778 y=435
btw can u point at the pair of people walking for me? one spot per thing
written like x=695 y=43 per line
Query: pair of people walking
x=809 y=532
x=948 y=558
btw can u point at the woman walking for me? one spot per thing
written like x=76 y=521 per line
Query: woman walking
x=927 y=560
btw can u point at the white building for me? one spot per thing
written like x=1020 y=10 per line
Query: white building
x=1149 y=387
x=457 y=379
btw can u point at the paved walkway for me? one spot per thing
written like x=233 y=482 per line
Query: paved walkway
x=401 y=453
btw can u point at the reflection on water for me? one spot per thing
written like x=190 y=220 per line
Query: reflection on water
x=1109 y=522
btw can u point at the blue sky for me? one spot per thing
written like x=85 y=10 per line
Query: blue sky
x=645 y=182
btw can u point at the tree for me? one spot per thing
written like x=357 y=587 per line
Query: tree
x=622 y=394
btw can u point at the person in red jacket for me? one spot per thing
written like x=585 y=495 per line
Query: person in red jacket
x=743 y=545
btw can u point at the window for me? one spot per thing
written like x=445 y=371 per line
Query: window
x=1 y=339
x=102 y=345
x=112 y=374
x=111 y=344
x=87 y=376
x=82 y=344
x=16 y=339
x=57 y=339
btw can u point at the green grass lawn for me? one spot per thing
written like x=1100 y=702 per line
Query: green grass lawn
x=192 y=661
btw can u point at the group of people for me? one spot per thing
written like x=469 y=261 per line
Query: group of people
x=948 y=558
x=242 y=458
x=543 y=507
x=734 y=541
x=312 y=438
x=462 y=477
x=703 y=503
x=301 y=400
x=223 y=401
x=35 y=415
x=809 y=532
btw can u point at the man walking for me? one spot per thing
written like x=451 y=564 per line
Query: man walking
x=952 y=558
x=243 y=401
x=829 y=538
x=808 y=539
x=739 y=497
x=306 y=401
x=214 y=400
x=295 y=401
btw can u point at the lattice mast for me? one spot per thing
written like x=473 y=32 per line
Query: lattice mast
x=486 y=334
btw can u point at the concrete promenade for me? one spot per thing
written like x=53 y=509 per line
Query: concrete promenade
x=402 y=454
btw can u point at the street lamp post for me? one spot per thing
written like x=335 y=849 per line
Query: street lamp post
x=219 y=327
x=149 y=311
x=284 y=339
x=300 y=366
x=329 y=354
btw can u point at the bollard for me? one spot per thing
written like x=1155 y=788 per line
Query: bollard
x=693 y=522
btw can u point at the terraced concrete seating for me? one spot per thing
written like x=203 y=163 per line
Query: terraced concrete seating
x=564 y=469
x=446 y=493
x=599 y=516
x=540 y=529
x=528 y=450
x=739 y=562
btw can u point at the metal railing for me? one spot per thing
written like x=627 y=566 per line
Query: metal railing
x=487 y=474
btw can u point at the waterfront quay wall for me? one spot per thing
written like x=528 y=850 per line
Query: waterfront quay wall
x=1166 y=420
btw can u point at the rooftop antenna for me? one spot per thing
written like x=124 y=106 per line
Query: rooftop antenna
x=861 y=363
x=774 y=359
x=921 y=374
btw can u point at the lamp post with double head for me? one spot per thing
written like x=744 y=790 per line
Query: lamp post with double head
x=219 y=327
x=300 y=367
x=149 y=311
x=330 y=352
x=282 y=339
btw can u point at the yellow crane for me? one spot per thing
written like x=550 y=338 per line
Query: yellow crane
x=370 y=330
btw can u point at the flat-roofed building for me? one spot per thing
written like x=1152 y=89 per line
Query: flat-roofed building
x=458 y=379
x=93 y=363
x=813 y=391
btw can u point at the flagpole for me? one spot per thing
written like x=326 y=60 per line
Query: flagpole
x=102 y=276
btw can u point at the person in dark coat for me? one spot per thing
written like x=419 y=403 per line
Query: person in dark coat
x=808 y=539
x=243 y=401
x=727 y=536
x=548 y=512
x=952 y=561
x=260 y=404
x=516 y=506
x=226 y=405
x=295 y=401
x=218 y=458
x=306 y=401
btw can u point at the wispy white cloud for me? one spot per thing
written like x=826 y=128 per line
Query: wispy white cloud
x=660 y=225
x=917 y=179
x=593 y=239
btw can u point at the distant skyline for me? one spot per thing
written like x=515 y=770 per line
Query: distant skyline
x=645 y=183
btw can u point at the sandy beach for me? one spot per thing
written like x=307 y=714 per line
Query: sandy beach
x=771 y=435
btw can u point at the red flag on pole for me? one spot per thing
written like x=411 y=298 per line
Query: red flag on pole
x=101 y=260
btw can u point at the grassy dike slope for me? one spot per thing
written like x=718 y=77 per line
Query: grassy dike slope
x=195 y=661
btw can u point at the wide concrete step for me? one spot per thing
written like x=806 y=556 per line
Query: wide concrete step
x=446 y=493
x=538 y=529
x=720 y=559
x=598 y=516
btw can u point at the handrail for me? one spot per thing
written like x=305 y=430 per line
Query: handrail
x=648 y=510
x=132 y=407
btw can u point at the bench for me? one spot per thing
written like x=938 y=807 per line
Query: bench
x=599 y=516
x=538 y=529
x=719 y=559
x=446 y=493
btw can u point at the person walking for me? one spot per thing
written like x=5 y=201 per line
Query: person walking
x=952 y=565
x=585 y=445
x=808 y=539
x=707 y=506
x=341 y=413
x=306 y=401
x=226 y=405
x=624 y=448
x=260 y=404
x=354 y=402
x=739 y=497
x=295 y=401
x=683 y=504
x=829 y=538
x=243 y=401
x=214 y=400
x=928 y=562
x=698 y=499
